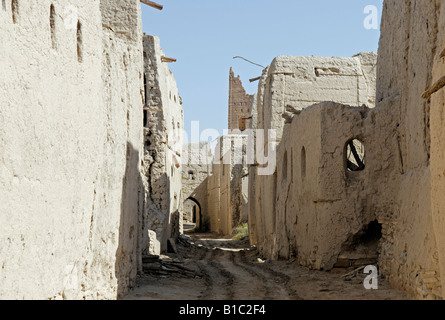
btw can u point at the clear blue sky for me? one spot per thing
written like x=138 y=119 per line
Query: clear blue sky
x=205 y=35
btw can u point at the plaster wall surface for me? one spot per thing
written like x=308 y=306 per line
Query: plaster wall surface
x=70 y=105
x=409 y=63
x=287 y=87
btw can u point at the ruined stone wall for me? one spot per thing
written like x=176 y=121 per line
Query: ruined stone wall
x=239 y=104
x=70 y=109
x=288 y=86
x=163 y=132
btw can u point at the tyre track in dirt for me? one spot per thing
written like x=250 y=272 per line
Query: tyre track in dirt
x=223 y=269
x=269 y=291
x=208 y=280
x=247 y=284
x=218 y=280
x=282 y=280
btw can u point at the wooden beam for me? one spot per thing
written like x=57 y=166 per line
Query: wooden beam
x=152 y=4
x=436 y=87
x=165 y=59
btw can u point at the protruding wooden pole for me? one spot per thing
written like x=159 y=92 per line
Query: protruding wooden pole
x=152 y=4
x=165 y=59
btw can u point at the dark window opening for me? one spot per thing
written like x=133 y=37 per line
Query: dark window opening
x=303 y=163
x=191 y=175
x=52 y=23
x=15 y=10
x=145 y=89
x=79 y=42
x=355 y=156
x=145 y=118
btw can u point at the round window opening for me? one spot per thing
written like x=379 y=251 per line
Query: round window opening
x=355 y=156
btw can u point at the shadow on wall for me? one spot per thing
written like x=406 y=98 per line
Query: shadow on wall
x=128 y=251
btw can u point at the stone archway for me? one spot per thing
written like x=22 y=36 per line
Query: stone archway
x=192 y=214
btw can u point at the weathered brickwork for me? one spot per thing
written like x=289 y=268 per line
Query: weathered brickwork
x=239 y=104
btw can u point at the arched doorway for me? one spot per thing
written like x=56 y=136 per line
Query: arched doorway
x=192 y=214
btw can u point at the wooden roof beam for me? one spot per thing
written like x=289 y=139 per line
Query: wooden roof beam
x=152 y=4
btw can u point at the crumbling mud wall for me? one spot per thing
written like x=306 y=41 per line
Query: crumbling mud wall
x=324 y=201
x=239 y=104
x=70 y=109
x=409 y=63
x=196 y=167
x=288 y=86
x=163 y=134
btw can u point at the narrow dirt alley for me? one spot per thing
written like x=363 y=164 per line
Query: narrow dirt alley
x=206 y=267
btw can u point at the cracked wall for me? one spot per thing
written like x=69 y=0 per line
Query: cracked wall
x=70 y=109
x=162 y=163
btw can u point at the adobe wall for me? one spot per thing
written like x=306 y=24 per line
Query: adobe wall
x=437 y=100
x=409 y=63
x=401 y=186
x=227 y=185
x=330 y=212
x=288 y=86
x=163 y=134
x=70 y=109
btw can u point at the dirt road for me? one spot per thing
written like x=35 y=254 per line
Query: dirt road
x=208 y=268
